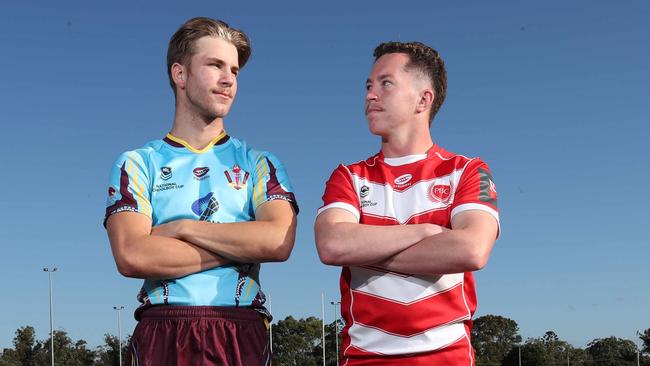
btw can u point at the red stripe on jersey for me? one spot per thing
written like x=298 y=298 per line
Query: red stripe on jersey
x=413 y=318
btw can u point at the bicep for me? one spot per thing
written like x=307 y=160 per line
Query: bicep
x=122 y=227
x=481 y=225
x=326 y=220
x=277 y=211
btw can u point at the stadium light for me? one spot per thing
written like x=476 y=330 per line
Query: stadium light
x=49 y=276
x=336 y=329
x=119 y=329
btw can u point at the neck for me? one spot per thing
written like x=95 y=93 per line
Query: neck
x=403 y=143
x=194 y=129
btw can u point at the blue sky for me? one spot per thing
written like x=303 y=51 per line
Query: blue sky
x=553 y=95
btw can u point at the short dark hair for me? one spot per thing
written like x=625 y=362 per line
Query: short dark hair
x=181 y=45
x=423 y=59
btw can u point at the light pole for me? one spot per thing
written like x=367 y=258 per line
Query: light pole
x=119 y=329
x=270 y=326
x=322 y=308
x=638 y=348
x=49 y=277
x=336 y=329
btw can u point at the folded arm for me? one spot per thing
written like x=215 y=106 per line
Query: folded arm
x=140 y=254
x=464 y=248
x=342 y=241
x=270 y=238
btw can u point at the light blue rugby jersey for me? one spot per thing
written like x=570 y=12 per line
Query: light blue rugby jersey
x=225 y=182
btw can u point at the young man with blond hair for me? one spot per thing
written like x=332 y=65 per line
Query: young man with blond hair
x=196 y=212
x=408 y=225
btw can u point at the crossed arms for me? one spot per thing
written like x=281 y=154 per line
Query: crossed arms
x=415 y=249
x=183 y=247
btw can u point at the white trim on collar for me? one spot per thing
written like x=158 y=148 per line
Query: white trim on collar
x=403 y=160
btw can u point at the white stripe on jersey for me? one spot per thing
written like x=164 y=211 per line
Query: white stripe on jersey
x=399 y=288
x=376 y=341
x=342 y=205
x=414 y=200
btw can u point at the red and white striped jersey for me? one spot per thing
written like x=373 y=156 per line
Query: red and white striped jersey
x=390 y=314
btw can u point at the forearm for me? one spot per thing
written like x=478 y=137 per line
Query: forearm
x=451 y=251
x=245 y=242
x=348 y=244
x=158 y=257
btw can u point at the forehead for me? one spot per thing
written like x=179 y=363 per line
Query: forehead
x=214 y=47
x=390 y=64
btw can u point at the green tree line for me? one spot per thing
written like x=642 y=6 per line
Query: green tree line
x=298 y=342
x=28 y=351
x=497 y=342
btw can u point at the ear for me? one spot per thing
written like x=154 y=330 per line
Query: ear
x=179 y=75
x=426 y=100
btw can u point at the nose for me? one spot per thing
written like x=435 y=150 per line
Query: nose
x=227 y=79
x=370 y=95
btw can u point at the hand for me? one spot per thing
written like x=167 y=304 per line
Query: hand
x=171 y=229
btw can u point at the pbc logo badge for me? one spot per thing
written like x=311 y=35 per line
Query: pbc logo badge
x=201 y=172
x=238 y=178
x=440 y=192
x=165 y=173
x=364 y=191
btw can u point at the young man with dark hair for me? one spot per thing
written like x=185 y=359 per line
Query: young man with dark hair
x=408 y=225
x=195 y=213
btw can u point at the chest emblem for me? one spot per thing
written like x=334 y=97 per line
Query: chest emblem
x=440 y=192
x=236 y=177
x=165 y=173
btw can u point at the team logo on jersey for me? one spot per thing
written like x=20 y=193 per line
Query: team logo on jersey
x=201 y=172
x=165 y=173
x=364 y=191
x=440 y=192
x=111 y=192
x=204 y=207
x=238 y=178
x=402 y=180
x=488 y=192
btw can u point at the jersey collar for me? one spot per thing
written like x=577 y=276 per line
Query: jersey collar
x=179 y=142
x=404 y=160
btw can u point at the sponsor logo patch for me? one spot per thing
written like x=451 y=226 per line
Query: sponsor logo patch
x=403 y=179
x=205 y=206
x=236 y=177
x=488 y=190
x=364 y=191
x=165 y=173
x=440 y=192
x=201 y=172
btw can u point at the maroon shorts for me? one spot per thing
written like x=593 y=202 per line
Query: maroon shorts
x=199 y=335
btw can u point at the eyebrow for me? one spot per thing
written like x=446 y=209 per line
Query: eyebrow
x=218 y=60
x=380 y=78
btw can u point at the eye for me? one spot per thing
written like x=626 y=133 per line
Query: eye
x=386 y=83
x=368 y=86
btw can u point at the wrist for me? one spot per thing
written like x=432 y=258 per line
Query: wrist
x=182 y=229
x=432 y=229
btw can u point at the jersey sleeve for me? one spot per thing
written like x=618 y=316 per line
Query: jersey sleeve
x=340 y=193
x=271 y=182
x=128 y=188
x=476 y=191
